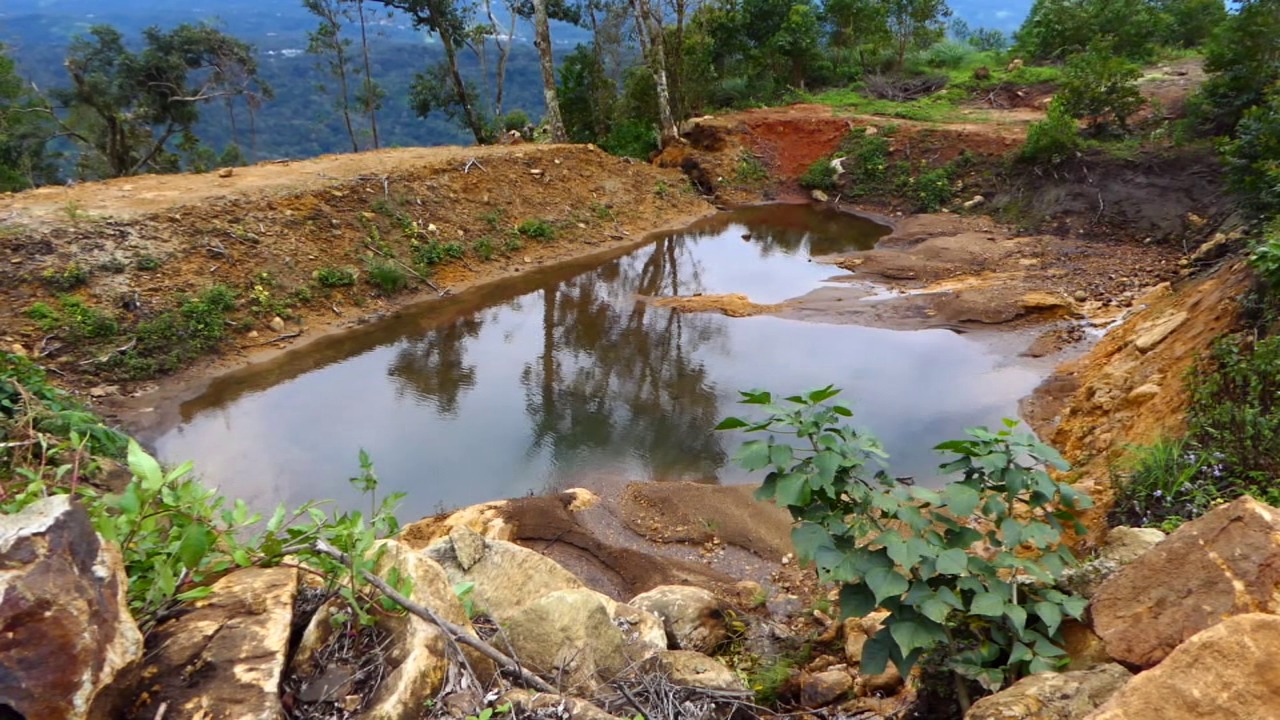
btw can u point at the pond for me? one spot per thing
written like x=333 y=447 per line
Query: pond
x=566 y=378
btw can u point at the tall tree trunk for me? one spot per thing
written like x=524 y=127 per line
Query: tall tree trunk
x=345 y=89
x=460 y=90
x=370 y=95
x=542 y=41
x=599 y=122
x=650 y=31
x=504 y=52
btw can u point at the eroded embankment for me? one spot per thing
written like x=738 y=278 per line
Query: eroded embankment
x=276 y=233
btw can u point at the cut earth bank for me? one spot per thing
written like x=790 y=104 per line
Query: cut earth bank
x=966 y=271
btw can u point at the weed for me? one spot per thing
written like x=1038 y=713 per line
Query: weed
x=1052 y=140
x=661 y=189
x=483 y=248
x=1162 y=485
x=767 y=680
x=537 y=229
x=435 y=252
x=386 y=276
x=749 y=170
x=602 y=211
x=74 y=212
x=1234 y=416
x=332 y=277
x=494 y=217
x=79 y=320
x=820 y=176
x=300 y=295
x=114 y=266
x=68 y=278
x=147 y=263
x=511 y=244
x=172 y=339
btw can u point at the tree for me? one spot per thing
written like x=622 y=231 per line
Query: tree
x=652 y=44
x=1190 y=23
x=370 y=94
x=326 y=41
x=444 y=88
x=125 y=108
x=1253 y=156
x=915 y=24
x=1058 y=29
x=24 y=160
x=797 y=41
x=1100 y=88
x=542 y=41
x=1243 y=57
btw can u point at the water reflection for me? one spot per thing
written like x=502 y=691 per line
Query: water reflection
x=565 y=378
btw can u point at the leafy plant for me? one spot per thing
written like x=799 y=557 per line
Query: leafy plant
x=483 y=248
x=1164 y=484
x=65 y=279
x=1101 y=88
x=385 y=275
x=435 y=252
x=332 y=277
x=968 y=568
x=1234 y=416
x=536 y=230
x=171 y=339
x=1052 y=140
x=147 y=263
x=1253 y=159
x=749 y=170
x=819 y=176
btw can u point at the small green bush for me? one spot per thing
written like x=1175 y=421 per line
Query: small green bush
x=435 y=252
x=633 y=139
x=1234 y=416
x=65 y=279
x=483 y=248
x=819 y=176
x=79 y=320
x=511 y=244
x=516 y=120
x=1052 y=140
x=750 y=171
x=147 y=263
x=1253 y=157
x=1100 y=88
x=1163 y=484
x=931 y=189
x=332 y=277
x=537 y=230
x=386 y=276
x=167 y=342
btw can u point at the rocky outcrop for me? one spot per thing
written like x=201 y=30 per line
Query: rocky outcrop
x=1121 y=547
x=695 y=670
x=525 y=703
x=823 y=688
x=1052 y=696
x=224 y=658
x=1222 y=564
x=505 y=577
x=581 y=637
x=65 y=629
x=693 y=617
x=1227 y=672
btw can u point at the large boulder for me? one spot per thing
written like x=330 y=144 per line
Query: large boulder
x=505 y=577
x=224 y=658
x=1053 y=696
x=1227 y=672
x=693 y=617
x=1225 y=563
x=65 y=629
x=581 y=637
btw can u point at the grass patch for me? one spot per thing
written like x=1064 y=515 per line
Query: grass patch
x=333 y=277
x=167 y=342
x=386 y=276
x=66 y=278
x=537 y=230
x=435 y=252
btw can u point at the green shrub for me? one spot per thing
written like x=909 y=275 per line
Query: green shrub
x=516 y=120
x=749 y=170
x=1253 y=157
x=915 y=551
x=79 y=319
x=435 y=252
x=483 y=248
x=332 y=277
x=1100 y=88
x=167 y=342
x=537 y=230
x=147 y=263
x=931 y=189
x=1052 y=140
x=68 y=278
x=1234 y=416
x=819 y=176
x=1265 y=257
x=28 y=402
x=511 y=244
x=633 y=139
x=386 y=276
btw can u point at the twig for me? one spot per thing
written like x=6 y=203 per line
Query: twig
x=408 y=269
x=472 y=161
x=457 y=633
x=160 y=711
x=18 y=443
x=278 y=338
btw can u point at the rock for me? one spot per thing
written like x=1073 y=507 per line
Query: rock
x=527 y=703
x=694 y=669
x=837 y=164
x=692 y=617
x=67 y=632
x=101 y=391
x=1052 y=696
x=1123 y=544
x=506 y=577
x=821 y=689
x=18 y=349
x=277 y=323
x=417 y=657
x=1222 y=564
x=576 y=635
x=223 y=659
x=819 y=196
x=226 y=172
x=487 y=519
x=973 y=203
x=1143 y=393
x=884 y=684
x=1080 y=296
x=855 y=638
x=1227 y=672
x=1150 y=334
x=253 y=335
x=1014 y=66
x=1084 y=648
x=1039 y=300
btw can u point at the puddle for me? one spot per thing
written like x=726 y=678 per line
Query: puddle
x=562 y=378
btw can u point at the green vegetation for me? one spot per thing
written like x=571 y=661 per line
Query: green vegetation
x=1052 y=140
x=388 y=277
x=866 y=170
x=172 y=339
x=995 y=614
x=435 y=252
x=147 y=263
x=1100 y=88
x=536 y=230
x=66 y=278
x=72 y=316
x=332 y=277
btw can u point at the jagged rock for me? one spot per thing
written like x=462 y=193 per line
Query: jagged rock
x=65 y=629
x=693 y=669
x=883 y=684
x=1150 y=334
x=1084 y=648
x=855 y=638
x=540 y=705
x=581 y=636
x=1123 y=544
x=506 y=577
x=224 y=658
x=416 y=657
x=1143 y=393
x=823 y=688
x=693 y=617
x=1222 y=564
x=1052 y=696
x=819 y=196
x=1227 y=672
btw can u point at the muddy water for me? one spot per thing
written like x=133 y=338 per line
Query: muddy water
x=563 y=378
